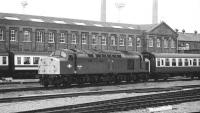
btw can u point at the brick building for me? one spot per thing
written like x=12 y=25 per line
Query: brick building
x=38 y=33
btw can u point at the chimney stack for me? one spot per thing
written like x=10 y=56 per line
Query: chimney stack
x=103 y=10
x=155 y=12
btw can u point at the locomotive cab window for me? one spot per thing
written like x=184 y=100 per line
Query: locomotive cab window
x=27 y=60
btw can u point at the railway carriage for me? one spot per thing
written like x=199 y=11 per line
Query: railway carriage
x=163 y=65
x=65 y=67
x=4 y=63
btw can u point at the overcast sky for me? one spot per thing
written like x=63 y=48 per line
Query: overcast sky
x=180 y=14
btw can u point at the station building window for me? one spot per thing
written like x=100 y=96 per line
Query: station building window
x=51 y=37
x=83 y=38
x=172 y=43
x=112 y=43
x=165 y=43
x=27 y=36
x=103 y=39
x=13 y=35
x=62 y=37
x=74 y=38
x=138 y=42
x=94 y=38
x=39 y=36
x=1 y=35
x=150 y=42
x=130 y=40
x=158 y=42
x=122 y=40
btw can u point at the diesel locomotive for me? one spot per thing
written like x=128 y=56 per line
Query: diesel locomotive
x=72 y=66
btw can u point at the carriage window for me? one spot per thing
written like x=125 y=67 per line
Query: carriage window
x=98 y=55
x=19 y=60
x=173 y=62
x=36 y=60
x=4 y=60
x=194 y=62
x=103 y=55
x=162 y=62
x=180 y=63
x=190 y=63
x=186 y=62
x=199 y=62
x=158 y=62
x=90 y=55
x=167 y=62
x=27 y=60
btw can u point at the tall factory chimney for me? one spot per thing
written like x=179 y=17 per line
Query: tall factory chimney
x=155 y=12
x=103 y=10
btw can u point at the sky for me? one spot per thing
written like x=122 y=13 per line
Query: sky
x=178 y=14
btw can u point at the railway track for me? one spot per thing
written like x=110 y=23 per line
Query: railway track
x=65 y=95
x=125 y=104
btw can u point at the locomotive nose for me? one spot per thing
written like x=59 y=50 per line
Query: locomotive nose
x=48 y=66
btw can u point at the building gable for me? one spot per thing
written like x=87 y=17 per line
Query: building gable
x=162 y=29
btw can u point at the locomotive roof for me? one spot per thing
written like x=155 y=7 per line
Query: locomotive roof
x=29 y=53
x=78 y=22
x=174 y=55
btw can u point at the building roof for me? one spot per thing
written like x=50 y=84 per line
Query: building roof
x=67 y=21
x=188 y=37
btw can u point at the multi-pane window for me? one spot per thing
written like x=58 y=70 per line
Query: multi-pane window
x=103 y=39
x=36 y=60
x=122 y=40
x=74 y=38
x=172 y=43
x=62 y=37
x=112 y=43
x=83 y=38
x=165 y=43
x=138 y=42
x=130 y=41
x=158 y=42
x=27 y=36
x=51 y=37
x=150 y=42
x=94 y=38
x=12 y=35
x=1 y=35
x=39 y=36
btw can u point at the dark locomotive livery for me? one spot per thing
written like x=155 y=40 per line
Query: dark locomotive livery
x=66 y=67
x=19 y=64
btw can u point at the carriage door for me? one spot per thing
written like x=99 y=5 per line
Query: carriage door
x=147 y=64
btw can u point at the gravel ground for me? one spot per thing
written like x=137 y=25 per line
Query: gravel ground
x=31 y=105
x=179 y=108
